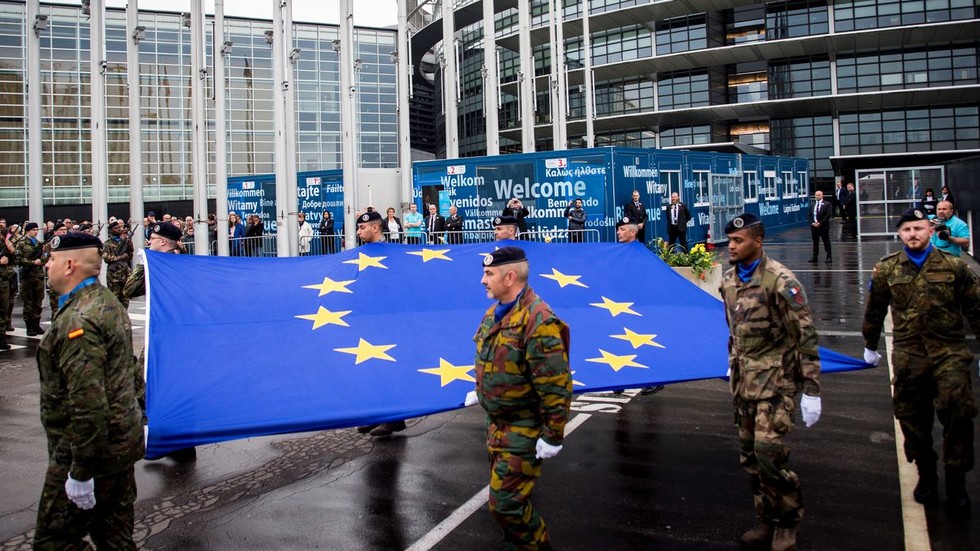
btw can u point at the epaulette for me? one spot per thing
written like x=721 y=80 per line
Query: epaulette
x=890 y=255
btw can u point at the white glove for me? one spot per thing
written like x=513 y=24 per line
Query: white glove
x=872 y=357
x=544 y=450
x=470 y=399
x=81 y=492
x=810 y=406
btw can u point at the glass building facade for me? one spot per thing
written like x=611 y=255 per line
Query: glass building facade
x=165 y=67
x=839 y=82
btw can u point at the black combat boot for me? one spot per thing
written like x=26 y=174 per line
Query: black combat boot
x=957 y=500
x=38 y=329
x=3 y=342
x=30 y=331
x=926 y=491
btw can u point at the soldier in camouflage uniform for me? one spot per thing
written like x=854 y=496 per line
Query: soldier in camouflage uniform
x=117 y=252
x=772 y=351
x=88 y=408
x=58 y=230
x=524 y=384
x=6 y=263
x=29 y=251
x=930 y=292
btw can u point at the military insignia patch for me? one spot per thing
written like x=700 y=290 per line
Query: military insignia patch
x=75 y=333
x=365 y=218
x=156 y=229
x=55 y=241
x=919 y=214
x=738 y=222
x=487 y=259
x=497 y=221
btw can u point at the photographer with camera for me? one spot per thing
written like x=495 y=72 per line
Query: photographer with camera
x=950 y=234
x=516 y=209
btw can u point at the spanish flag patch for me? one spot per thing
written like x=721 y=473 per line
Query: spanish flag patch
x=74 y=334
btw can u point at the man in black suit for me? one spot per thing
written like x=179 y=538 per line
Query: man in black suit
x=677 y=217
x=820 y=226
x=454 y=227
x=850 y=212
x=840 y=199
x=634 y=210
x=434 y=225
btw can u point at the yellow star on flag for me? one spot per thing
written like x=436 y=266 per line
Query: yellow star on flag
x=365 y=261
x=576 y=383
x=329 y=286
x=366 y=351
x=616 y=362
x=432 y=254
x=615 y=308
x=448 y=372
x=326 y=317
x=638 y=339
x=564 y=280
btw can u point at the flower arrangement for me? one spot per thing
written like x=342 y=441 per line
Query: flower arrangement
x=699 y=259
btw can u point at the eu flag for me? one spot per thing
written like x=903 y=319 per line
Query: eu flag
x=240 y=347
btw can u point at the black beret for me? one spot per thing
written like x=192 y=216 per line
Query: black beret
x=625 y=221
x=373 y=216
x=58 y=226
x=504 y=255
x=168 y=230
x=911 y=215
x=112 y=225
x=30 y=226
x=742 y=221
x=505 y=220
x=75 y=240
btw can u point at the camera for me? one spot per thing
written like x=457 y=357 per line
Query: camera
x=943 y=232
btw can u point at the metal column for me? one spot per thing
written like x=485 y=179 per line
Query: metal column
x=99 y=137
x=589 y=79
x=199 y=129
x=219 y=49
x=403 y=67
x=290 y=57
x=450 y=80
x=491 y=80
x=558 y=86
x=35 y=183
x=527 y=96
x=135 y=34
x=348 y=130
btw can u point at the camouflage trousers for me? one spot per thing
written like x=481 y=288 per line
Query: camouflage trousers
x=935 y=385
x=512 y=478
x=53 y=302
x=32 y=293
x=775 y=488
x=116 y=282
x=63 y=526
x=5 y=299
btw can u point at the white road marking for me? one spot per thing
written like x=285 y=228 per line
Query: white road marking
x=472 y=505
x=913 y=513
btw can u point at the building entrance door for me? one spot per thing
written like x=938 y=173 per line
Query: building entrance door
x=885 y=193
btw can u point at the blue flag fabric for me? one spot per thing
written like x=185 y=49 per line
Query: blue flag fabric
x=240 y=347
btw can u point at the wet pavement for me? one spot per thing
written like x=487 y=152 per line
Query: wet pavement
x=656 y=471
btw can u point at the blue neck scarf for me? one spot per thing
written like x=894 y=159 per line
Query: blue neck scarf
x=85 y=283
x=501 y=309
x=918 y=258
x=745 y=271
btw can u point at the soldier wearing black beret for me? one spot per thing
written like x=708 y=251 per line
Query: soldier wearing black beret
x=505 y=227
x=29 y=254
x=369 y=227
x=627 y=229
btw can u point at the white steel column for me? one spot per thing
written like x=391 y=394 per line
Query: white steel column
x=135 y=34
x=491 y=80
x=35 y=168
x=558 y=88
x=527 y=95
x=99 y=137
x=199 y=129
x=403 y=68
x=450 y=80
x=291 y=56
x=348 y=131
x=283 y=237
x=220 y=49
x=589 y=80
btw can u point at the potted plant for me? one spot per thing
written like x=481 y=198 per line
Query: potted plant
x=698 y=265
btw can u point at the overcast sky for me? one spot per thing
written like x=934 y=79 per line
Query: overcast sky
x=369 y=13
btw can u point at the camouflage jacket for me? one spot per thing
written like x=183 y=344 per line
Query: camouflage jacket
x=27 y=253
x=928 y=304
x=117 y=253
x=522 y=375
x=135 y=283
x=772 y=345
x=88 y=386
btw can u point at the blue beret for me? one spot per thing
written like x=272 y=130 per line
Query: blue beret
x=742 y=221
x=505 y=220
x=504 y=255
x=911 y=215
x=372 y=216
x=75 y=240
x=168 y=230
